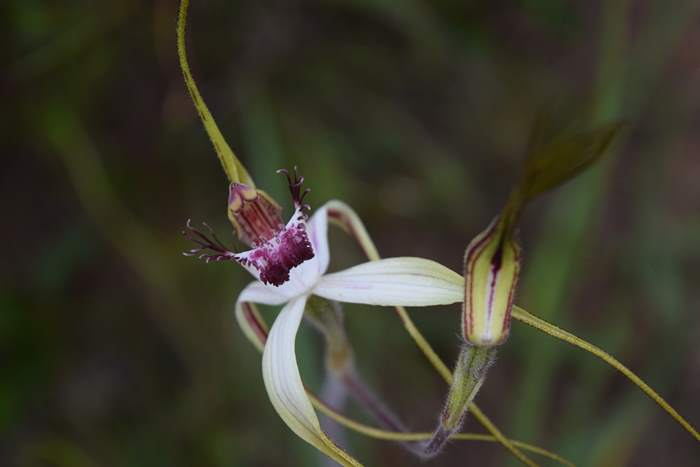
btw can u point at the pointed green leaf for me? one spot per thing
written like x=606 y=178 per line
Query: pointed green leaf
x=561 y=158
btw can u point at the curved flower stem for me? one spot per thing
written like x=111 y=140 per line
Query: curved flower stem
x=350 y=222
x=235 y=171
x=554 y=331
x=377 y=433
x=256 y=329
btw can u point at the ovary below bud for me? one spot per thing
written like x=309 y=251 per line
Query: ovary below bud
x=491 y=267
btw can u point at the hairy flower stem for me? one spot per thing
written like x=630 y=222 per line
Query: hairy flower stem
x=327 y=317
x=469 y=375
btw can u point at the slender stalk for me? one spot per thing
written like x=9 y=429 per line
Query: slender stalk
x=235 y=171
x=554 y=331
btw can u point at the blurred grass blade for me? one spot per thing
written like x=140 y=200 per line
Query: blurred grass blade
x=235 y=171
x=285 y=387
x=527 y=318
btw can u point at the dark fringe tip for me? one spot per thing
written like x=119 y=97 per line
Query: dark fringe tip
x=209 y=249
x=295 y=181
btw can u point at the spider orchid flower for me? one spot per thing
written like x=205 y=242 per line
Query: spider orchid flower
x=389 y=282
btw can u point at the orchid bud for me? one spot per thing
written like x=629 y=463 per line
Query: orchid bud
x=491 y=267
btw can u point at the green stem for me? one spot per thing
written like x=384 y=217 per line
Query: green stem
x=235 y=171
x=554 y=331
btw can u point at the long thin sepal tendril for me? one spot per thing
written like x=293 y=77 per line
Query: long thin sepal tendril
x=554 y=331
x=232 y=166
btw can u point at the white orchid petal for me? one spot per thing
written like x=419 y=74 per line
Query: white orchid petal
x=284 y=385
x=247 y=315
x=257 y=292
x=395 y=281
x=317 y=228
x=302 y=278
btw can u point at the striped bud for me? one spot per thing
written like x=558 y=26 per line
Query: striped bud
x=491 y=267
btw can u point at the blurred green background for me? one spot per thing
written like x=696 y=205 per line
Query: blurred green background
x=118 y=351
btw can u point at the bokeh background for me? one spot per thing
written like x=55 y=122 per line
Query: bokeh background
x=118 y=351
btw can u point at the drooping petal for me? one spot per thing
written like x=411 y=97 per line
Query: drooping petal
x=284 y=385
x=402 y=281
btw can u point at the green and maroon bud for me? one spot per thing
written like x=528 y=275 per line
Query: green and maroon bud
x=491 y=269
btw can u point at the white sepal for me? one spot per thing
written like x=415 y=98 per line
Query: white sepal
x=402 y=281
x=285 y=388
